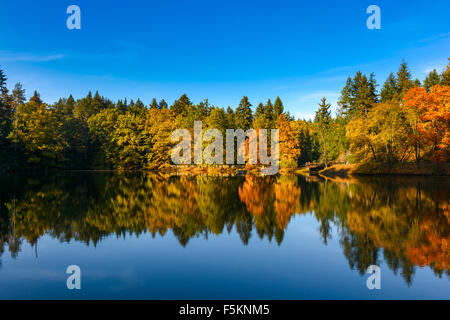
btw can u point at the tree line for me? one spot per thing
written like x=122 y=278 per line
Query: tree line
x=406 y=121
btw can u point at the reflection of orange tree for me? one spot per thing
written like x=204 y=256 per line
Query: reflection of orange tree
x=270 y=201
x=435 y=251
x=256 y=193
x=287 y=197
x=402 y=221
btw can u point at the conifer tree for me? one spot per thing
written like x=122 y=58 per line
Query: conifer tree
x=154 y=104
x=323 y=121
x=243 y=116
x=278 y=108
x=181 y=105
x=445 y=76
x=260 y=110
x=390 y=89
x=358 y=96
x=230 y=118
x=36 y=98
x=162 y=104
x=432 y=79
x=404 y=78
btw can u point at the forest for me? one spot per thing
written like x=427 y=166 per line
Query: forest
x=405 y=121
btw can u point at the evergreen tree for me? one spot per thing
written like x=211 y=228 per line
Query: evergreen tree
x=404 y=81
x=278 y=108
x=181 y=105
x=358 y=95
x=36 y=98
x=5 y=115
x=18 y=95
x=260 y=110
x=243 y=116
x=445 y=76
x=154 y=104
x=162 y=104
x=269 y=114
x=3 y=80
x=230 y=118
x=323 y=121
x=390 y=89
x=417 y=83
x=432 y=79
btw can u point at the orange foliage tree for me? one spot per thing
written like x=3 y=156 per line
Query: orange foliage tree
x=431 y=114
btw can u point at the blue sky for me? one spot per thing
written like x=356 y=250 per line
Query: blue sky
x=220 y=50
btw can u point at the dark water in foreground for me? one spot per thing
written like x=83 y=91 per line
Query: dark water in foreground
x=139 y=236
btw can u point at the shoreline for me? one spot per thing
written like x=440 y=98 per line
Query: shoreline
x=341 y=170
x=349 y=170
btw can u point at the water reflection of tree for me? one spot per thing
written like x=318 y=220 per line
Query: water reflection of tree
x=405 y=223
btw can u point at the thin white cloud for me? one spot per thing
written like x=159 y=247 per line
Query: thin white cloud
x=439 y=67
x=317 y=95
x=436 y=37
x=12 y=56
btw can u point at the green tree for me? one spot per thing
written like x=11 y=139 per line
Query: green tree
x=181 y=105
x=390 y=89
x=431 y=80
x=404 y=78
x=154 y=104
x=358 y=95
x=323 y=121
x=162 y=104
x=278 y=108
x=243 y=115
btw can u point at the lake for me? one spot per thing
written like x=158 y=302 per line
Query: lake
x=146 y=236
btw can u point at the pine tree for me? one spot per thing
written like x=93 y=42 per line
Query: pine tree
x=5 y=114
x=270 y=114
x=243 y=116
x=230 y=118
x=404 y=81
x=323 y=120
x=260 y=110
x=154 y=104
x=358 y=96
x=162 y=104
x=432 y=79
x=445 y=76
x=278 y=108
x=3 y=80
x=417 y=83
x=36 y=98
x=390 y=89
x=181 y=105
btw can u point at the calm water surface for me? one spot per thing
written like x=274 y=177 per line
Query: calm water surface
x=142 y=236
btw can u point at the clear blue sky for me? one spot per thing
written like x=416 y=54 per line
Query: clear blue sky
x=215 y=49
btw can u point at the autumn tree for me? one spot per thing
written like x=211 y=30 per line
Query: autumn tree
x=289 y=147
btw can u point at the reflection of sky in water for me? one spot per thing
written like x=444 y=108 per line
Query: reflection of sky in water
x=302 y=267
